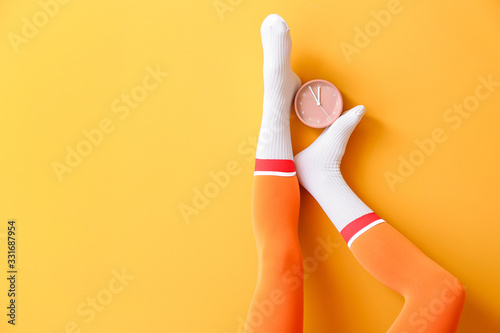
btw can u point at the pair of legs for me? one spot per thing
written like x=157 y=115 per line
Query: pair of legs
x=433 y=297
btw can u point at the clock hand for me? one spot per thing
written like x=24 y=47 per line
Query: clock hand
x=317 y=100
x=324 y=111
x=319 y=96
x=312 y=92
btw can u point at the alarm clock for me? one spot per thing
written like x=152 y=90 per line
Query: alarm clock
x=318 y=103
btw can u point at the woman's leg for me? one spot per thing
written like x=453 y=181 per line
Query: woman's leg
x=433 y=297
x=277 y=304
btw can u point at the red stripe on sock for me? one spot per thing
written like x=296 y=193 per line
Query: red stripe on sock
x=274 y=165
x=352 y=228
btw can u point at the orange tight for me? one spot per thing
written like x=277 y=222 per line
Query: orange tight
x=277 y=304
x=433 y=297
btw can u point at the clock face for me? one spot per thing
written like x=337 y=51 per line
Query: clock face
x=318 y=103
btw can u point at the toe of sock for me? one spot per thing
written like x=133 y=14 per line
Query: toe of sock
x=359 y=110
x=274 y=22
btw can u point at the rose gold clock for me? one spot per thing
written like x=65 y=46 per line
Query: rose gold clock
x=318 y=103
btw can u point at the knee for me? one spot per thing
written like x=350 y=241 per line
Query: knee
x=453 y=291
x=444 y=292
x=282 y=259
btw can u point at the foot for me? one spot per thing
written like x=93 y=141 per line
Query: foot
x=321 y=160
x=280 y=86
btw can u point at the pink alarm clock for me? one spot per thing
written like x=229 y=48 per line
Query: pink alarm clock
x=318 y=103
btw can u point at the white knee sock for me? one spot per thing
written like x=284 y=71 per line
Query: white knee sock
x=318 y=170
x=280 y=85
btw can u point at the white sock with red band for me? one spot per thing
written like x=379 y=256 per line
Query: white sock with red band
x=280 y=85
x=318 y=170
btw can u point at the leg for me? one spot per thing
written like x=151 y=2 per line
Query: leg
x=433 y=297
x=277 y=304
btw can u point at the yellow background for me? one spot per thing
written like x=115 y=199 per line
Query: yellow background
x=119 y=209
